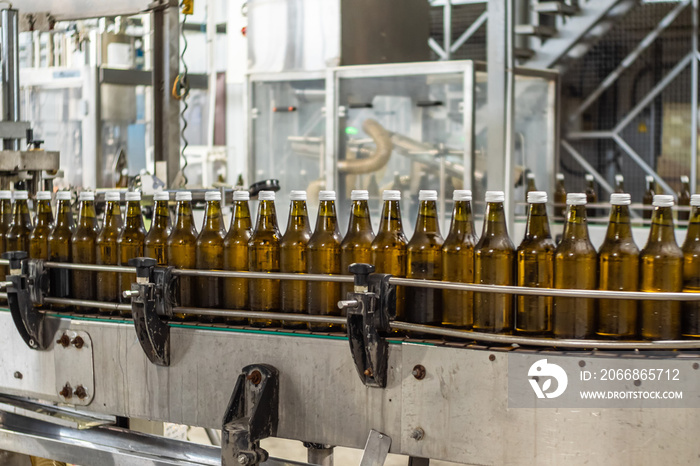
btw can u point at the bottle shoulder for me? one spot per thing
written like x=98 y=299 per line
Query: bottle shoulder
x=238 y=236
x=295 y=238
x=659 y=250
x=323 y=239
x=619 y=246
x=425 y=241
x=495 y=242
x=535 y=245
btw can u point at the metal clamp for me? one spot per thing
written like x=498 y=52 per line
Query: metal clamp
x=252 y=415
x=368 y=321
x=28 y=320
x=146 y=297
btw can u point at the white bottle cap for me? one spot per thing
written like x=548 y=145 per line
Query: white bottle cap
x=695 y=200
x=326 y=195
x=266 y=195
x=161 y=196
x=427 y=195
x=5 y=194
x=663 y=200
x=111 y=196
x=183 y=196
x=684 y=179
x=21 y=195
x=241 y=195
x=359 y=195
x=133 y=196
x=86 y=196
x=391 y=195
x=560 y=176
x=43 y=195
x=530 y=176
x=649 y=178
x=297 y=195
x=212 y=196
x=576 y=199
x=461 y=195
x=619 y=178
x=537 y=197
x=495 y=196
x=620 y=199
x=63 y=196
x=589 y=177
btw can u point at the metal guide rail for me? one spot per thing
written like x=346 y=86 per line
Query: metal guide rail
x=420 y=385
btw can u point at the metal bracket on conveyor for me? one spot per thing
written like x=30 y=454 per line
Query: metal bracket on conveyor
x=27 y=282
x=370 y=309
x=252 y=415
x=151 y=298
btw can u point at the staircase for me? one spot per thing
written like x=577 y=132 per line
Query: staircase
x=559 y=31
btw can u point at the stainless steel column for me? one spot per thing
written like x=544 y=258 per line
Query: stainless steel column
x=10 y=71
x=500 y=101
x=166 y=110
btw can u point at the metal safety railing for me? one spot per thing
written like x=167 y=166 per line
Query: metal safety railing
x=457 y=334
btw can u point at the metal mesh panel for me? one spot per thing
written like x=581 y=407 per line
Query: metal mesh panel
x=660 y=133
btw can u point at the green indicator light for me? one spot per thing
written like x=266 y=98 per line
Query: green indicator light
x=350 y=130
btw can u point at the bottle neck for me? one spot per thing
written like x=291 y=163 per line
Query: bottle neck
x=694 y=224
x=359 y=217
x=326 y=220
x=134 y=219
x=298 y=217
x=427 y=221
x=240 y=218
x=87 y=217
x=619 y=225
x=161 y=216
x=44 y=214
x=391 y=218
x=462 y=221
x=576 y=226
x=113 y=216
x=64 y=214
x=267 y=217
x=213 y=220
x=662 y=226
x=20 y=213
x=183 y=216
x=495 y=220
x=537 y=226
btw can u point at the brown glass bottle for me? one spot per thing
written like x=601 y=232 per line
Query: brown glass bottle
x=591 y=194
x=108 y=287
x=236 y=256
x=155 y=242
x=389 y=253
x=618 y=270
x=356 y=246
x=293 y=258
x=60 y=248
x=619 y=183
x=324 y=257
x=494 y=264
x=131 y=240
x=17 y=236
x=691 y=271
x=684 y=199
x=182 y=251
x=649 y=194
x=530 y=183
x=575 y=267
x=39 y=237
x=458 y=263
x=424 y=262
x=5 y=221
x=535 y=259
x=559 y=198
x=661 y=269
x=84 y=250
x=210 y=255
x=264 y=250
